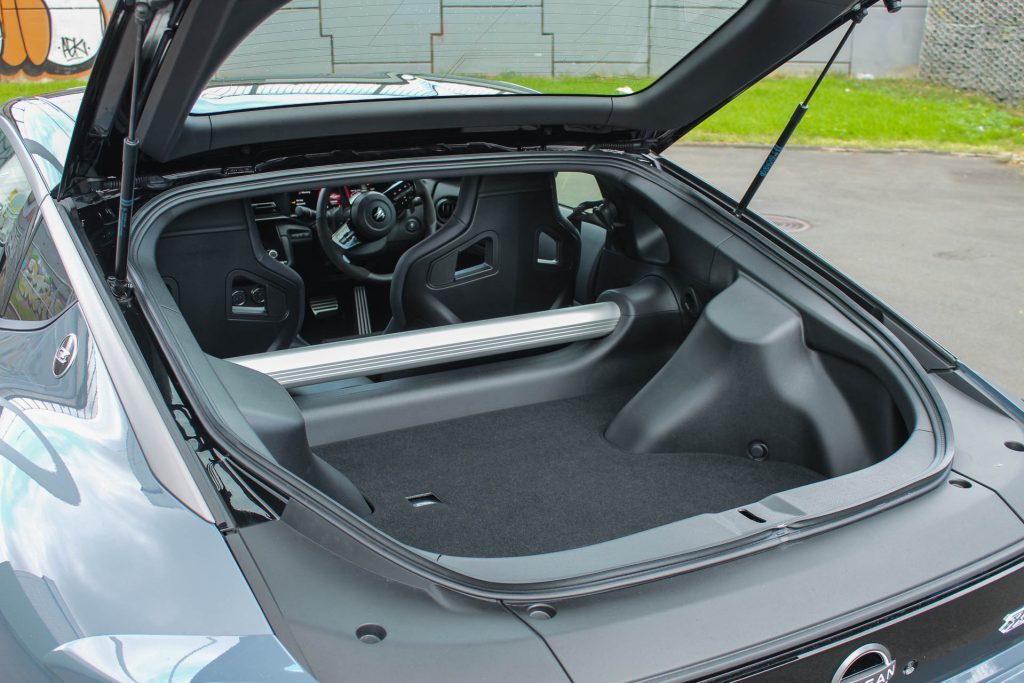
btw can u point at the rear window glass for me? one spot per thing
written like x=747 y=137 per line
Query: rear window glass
x=341 y=50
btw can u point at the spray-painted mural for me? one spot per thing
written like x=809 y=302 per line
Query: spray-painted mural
x=49 y=38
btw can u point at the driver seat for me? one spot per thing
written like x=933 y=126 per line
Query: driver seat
x=506 y=250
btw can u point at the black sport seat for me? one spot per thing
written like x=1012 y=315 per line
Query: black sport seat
x=505 y=250
x=207 y=256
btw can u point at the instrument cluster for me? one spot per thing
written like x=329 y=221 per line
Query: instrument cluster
x=402 y=193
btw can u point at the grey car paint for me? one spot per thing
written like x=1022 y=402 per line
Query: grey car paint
x=104 y=574
x=92 y=545
x=162 y=451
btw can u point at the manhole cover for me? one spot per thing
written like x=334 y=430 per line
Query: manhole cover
x=788 y=223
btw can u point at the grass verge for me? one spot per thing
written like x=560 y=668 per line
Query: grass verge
x=11 y=89
x=846 y=112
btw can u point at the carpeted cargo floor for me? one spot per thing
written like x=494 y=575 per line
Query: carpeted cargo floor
x=540 y=478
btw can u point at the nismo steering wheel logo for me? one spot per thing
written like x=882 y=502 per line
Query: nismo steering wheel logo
x=867 y=664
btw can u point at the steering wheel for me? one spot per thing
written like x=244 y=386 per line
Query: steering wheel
x=361 y=228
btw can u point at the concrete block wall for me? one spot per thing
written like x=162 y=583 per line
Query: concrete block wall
x=883 y=45
x=535 y=37
x=470 y=37
x=485 y=37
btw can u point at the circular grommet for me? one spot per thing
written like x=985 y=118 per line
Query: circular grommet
x=691 y=302
x=541 y=611
x=757 y=450
x=371 y=634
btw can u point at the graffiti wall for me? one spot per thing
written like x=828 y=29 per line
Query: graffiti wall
x=49 y=38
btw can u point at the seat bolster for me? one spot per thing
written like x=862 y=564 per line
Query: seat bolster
x=488 y=260
x=456 y=226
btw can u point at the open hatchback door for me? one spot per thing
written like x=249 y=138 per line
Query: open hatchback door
x=190 y=111
x=461 y=353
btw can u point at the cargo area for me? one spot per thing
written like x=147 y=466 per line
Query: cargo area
x=541 y=478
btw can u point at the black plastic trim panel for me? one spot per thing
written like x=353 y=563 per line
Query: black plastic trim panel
x=213 y=406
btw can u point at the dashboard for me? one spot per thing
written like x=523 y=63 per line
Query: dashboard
x=286 y=220
x=402 y=194
x=303 y=198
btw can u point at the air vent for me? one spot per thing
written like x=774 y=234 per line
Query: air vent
x=445 y=207
x=264 y=208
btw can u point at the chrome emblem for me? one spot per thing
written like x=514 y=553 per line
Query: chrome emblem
x=867 y=664
x=1012 y=620
x=65 y=355
x=379 y=214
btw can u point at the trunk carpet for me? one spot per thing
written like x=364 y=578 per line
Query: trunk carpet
x=541 y=478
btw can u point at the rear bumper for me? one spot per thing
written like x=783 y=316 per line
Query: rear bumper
x=1001 y=667
x=968 y=634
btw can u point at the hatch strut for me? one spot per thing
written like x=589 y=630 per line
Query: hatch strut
x=801 y=109
x=118 y=282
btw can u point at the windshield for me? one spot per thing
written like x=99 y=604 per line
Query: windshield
x=346 y=50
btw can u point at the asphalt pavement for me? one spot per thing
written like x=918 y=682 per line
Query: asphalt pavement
x=940 y=238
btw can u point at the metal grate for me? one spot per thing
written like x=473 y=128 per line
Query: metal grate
x=976 y=45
